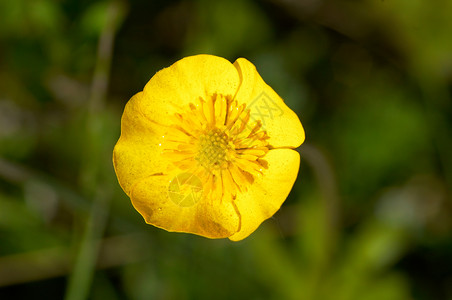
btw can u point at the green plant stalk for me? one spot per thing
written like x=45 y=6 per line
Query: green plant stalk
x=86 y=257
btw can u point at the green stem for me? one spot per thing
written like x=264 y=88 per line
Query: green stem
x=87 y=253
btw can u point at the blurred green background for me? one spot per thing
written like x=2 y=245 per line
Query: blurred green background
x=369 y=217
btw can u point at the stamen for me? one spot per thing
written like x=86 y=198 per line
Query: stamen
x=214 y=139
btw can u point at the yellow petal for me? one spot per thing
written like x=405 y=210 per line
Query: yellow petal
x=174 y=202
x=137 y=152
x=281 y=123
x=266 y=195
x=172 y=89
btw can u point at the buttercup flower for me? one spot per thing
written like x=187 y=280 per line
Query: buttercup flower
x=207 y=148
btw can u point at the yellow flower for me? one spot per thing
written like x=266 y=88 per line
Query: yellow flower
x=207 y=148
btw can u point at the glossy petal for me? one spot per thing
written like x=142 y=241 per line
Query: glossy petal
x=172 y=89
x=266 y=195
x=281 y=123
x=212 y=219
x=135 y=153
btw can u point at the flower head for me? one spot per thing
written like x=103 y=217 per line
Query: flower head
x=206 y=148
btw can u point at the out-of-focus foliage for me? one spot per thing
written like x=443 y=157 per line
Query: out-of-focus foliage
x=369 y=216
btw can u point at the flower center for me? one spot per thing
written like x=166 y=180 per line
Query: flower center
x=216 y=140
x=213 y=149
